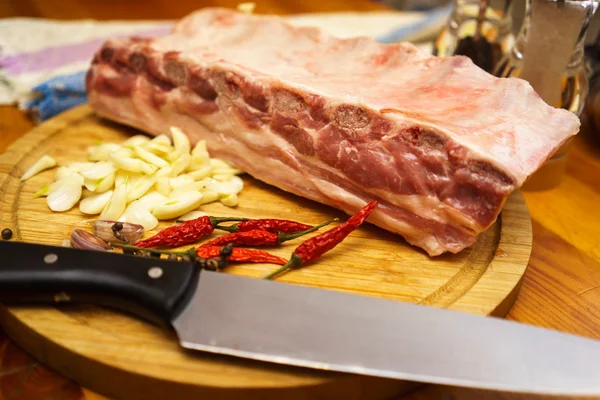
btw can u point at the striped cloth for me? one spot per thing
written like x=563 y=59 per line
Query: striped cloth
x=43 y=62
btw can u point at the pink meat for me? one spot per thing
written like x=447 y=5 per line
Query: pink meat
x=438 y=141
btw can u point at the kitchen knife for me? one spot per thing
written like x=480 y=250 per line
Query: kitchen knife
x=297 y=325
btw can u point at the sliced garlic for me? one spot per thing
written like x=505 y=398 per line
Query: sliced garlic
x=200 y=148
x=181 y=163
x=44 y=163
x=209 y=196
x=101 y=152
x=230 y=200
x=116 y=205
x=150 y=157
x=140 y=187
x=165 y=171
x=81 y=166
x=96 y=203
x=162 y=139
x=137 y=213
x=106 y=183
x=123 y=176
x=192 y=215
x=64 y=194
x=173 y=155
x=180 y=140
x=152 y=199
x=180 y=181
x=227 y=171
x=63 y=171
x=99 y=171
x=222 y=177
x=136 y=140
x=132 y=164
x=189 y=187
x=159 y=149
x=124 y=152
x=232 y=186
x=163 y=186
x=201 y=173
x=177 y=206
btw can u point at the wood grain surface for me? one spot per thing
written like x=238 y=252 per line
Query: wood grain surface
x=93 y=345
x=561 y=289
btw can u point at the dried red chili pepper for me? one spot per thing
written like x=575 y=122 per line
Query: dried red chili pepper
x=241 y=255
x=266 y=224
x=259 y=237
x=316 y=246
x=185 y=233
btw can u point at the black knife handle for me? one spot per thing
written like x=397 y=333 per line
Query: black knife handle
x=153 y=289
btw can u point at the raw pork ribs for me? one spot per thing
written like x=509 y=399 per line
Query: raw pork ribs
x=438 y=141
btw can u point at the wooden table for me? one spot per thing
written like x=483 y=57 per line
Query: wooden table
x=561 y=289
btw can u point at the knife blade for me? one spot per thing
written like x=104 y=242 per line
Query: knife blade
x=309 y=327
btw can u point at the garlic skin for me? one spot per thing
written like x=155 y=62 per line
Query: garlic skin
x=81 y=239
x=103 y=229
x=44 y=163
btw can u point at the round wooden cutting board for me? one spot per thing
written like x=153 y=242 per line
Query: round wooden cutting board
x=123 y=357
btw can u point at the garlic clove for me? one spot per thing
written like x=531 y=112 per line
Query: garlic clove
x=105 y=183
x=131 y=164
x=178 y=206
x=116 y=205
x=137 y=213
x=125 y=176
x=64 y=194
x=180 y=140
x=209 y=196
x=181 y=163
x=81 y=239
x=163 y=186
x=180 y=181
x=103 y=229
x=100 y=170
x=200 y=148
x=140 y=187
x=233 y=185
x=136 y=140
x=201 y=173
x=188 y=187
x=63 y=171
x=165 y=171
x=44 y=163
x=101 y=152
x=162 y=139
x=152 y=199
x=150 y=157
x=230 y=200
x=96 y=203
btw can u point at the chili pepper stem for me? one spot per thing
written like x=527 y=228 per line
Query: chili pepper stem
x=295 y=261
x=230 y=229
x=216 y=220
x=284 y=237
x=190 y=253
